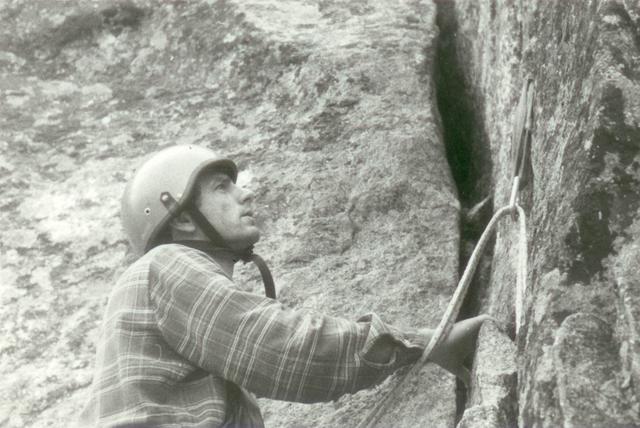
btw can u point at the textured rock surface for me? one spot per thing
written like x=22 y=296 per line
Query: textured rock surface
x=492 y=401
x=578 y=354
x=328 y=108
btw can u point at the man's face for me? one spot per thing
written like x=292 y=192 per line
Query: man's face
x=229 y=209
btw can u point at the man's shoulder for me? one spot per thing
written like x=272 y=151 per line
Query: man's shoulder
x=171 y=250
x=181 y=256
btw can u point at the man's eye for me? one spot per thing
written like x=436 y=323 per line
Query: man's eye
x=223 y=184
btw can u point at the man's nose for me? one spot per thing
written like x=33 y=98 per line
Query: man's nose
x=246 y=195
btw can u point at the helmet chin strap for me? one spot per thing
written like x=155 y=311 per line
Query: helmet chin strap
x=217 y=241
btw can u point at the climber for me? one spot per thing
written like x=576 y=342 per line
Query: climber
x=181 y=345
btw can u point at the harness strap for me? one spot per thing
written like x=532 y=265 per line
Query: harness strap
x=267 y=279
x=216 y=242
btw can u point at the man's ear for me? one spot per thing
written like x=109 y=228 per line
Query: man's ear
x=183 y=222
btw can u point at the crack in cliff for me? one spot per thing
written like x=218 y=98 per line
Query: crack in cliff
x=469 y=159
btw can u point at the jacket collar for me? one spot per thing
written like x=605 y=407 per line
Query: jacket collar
x=223 y=256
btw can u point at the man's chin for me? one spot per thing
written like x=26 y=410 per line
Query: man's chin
x=246 y=241
x=254 y=238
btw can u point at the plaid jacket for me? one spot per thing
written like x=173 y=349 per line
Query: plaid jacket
x=182 y=347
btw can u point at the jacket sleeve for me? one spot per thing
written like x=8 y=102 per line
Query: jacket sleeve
x=255 y=342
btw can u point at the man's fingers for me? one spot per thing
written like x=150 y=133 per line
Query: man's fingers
x=499 y=324
x=460 y=343
x=476 y=322
x=487 y=317
x=462 y=373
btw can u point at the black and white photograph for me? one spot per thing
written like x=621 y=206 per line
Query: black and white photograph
x=320 y=213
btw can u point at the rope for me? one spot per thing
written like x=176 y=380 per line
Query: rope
x=451 y=313
x=522 y=269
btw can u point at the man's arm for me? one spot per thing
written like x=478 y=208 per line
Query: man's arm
x=275 y=352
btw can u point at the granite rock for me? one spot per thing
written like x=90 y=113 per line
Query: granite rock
x=577 y=352
x=328 y=108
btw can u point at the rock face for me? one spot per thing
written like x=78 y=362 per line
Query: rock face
x=329 y=109
x=578 y=353
x=333 y=112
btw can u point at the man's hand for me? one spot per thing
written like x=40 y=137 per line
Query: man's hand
x=459 y=344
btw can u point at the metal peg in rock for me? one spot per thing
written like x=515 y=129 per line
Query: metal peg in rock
x=522 y=129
